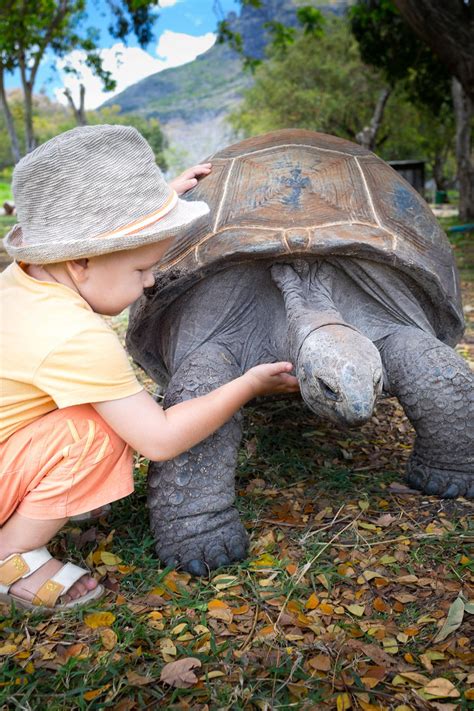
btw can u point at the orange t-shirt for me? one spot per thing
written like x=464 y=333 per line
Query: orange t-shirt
x=55 y=351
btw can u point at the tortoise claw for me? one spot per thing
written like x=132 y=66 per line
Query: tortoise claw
x=196 y=567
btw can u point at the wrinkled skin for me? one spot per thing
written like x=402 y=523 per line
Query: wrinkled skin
x=345 y=346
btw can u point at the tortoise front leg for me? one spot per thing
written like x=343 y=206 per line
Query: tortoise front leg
x=191 y=498
x=435 y=387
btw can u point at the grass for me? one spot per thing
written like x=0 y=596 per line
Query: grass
x=343 y=566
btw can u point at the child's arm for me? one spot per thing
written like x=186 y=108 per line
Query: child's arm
x=189 y=178
x=160 y=434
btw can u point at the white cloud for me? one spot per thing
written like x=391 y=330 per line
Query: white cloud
x=130 y=64
x=178 y=48
x=168 y=3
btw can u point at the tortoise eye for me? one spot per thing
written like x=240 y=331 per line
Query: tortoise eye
x=327 y=390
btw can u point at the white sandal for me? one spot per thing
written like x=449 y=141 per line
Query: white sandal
x=22 y=565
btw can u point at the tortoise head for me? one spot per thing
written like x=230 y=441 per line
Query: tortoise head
x=340 y=374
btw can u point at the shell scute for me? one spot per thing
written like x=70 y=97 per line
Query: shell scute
x=300 y=188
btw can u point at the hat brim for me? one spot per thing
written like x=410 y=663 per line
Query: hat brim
x=182 y=215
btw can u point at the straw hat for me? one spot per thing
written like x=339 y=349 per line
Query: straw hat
x=91 y=191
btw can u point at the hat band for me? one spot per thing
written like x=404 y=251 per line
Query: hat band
x=143 y=222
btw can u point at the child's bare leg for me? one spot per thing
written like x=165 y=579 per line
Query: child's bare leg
x=21 y=534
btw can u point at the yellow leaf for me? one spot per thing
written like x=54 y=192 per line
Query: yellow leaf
x=240 y=610
x=357 y=610
x=179 y=628
x=155 y=615
x=390 y=645
x=99 y=619
x=323 y=580
x=415 y=677
x=343 y=702
x=326 y=608
x=8 y=649
x=312 y=602
x=201 y=629
x=125 y=569
x=264 y=561
x=221 y=582
x=94 y=693
x=109 y=558
x=387 y=559
x=215 y=674
x=167 y=647
x=441 y=689
x=219 y=610
x=367 y=526
x=108 y=638
x=268 y=631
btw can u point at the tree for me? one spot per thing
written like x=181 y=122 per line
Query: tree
x=387 y=43
x=320 y=85
x=448 y=28
x=28 y=30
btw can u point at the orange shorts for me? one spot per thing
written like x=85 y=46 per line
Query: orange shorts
x=65 y=463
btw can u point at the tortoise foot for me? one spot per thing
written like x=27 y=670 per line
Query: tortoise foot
x=446 y=483
x=199 y=544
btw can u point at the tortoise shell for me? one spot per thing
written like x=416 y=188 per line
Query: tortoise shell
x=306 y=194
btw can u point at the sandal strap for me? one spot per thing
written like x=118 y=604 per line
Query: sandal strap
x=21 y=565
x=58 y=584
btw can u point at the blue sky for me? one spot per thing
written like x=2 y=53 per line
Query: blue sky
x=184 y=29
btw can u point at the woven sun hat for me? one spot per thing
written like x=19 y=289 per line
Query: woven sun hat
x=91 y=191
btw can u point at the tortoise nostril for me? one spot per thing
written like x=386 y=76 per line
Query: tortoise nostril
x=327 y=390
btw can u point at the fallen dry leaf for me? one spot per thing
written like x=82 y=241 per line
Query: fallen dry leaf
x=441 y=689
x=99 y=619
x=180 y=673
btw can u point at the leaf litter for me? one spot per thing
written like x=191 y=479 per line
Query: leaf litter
x=358 y=593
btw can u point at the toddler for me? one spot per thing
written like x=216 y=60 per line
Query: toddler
x=95 y=215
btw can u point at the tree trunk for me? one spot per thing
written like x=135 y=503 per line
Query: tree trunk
x=463 y=110
x=78 y=111
x=30 y=140
x=438 y=171
x=447 y=26
x=368 y=136
x=14 y=144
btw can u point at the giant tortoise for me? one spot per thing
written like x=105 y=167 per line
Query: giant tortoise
x=317 y=252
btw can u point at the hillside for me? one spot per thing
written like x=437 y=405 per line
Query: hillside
x=193 y=101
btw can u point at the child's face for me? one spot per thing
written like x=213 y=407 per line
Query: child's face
x=112 y=282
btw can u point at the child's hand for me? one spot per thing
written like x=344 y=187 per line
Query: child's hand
x=188 y=179
x=270 y=378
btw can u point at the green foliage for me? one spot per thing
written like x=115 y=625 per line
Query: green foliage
x=51 y=118
x=324 y=85
x=28 y=30
x=319 y=85
x=387 y=43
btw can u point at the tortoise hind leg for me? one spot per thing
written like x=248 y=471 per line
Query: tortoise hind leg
x=191 y=498
x=435 y=387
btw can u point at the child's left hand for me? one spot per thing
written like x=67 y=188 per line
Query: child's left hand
x=188 y=179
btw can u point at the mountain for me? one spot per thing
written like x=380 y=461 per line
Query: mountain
x=193 y=101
